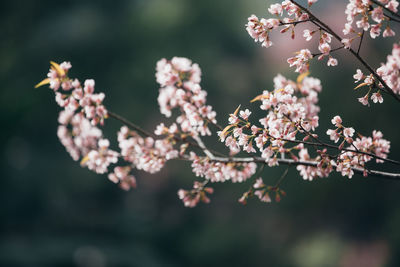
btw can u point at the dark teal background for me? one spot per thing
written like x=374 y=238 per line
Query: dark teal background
x=55 y=213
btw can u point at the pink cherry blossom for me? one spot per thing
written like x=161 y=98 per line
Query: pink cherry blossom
x=308 y=34
x=348 y=132
x=347 y=43
x=377 y=97
x=333 y=135
x=388 y=32
x=275 y=9
x=332 y=61
x=337 y=121
x=358 y=76
x=364 y=100
x=245 y=114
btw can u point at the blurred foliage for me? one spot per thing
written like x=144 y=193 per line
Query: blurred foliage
x=54 y=213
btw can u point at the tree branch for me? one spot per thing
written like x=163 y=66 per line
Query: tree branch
x=203 y=147
x=294 y=22
x=224 y=159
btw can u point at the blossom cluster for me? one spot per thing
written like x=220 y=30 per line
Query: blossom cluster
x=362 y=13
x=180 y=88
x=292 y=111
x=352 y=158
x=259 y=30
x=388 y=71
x=289 y=103
x=73 y=96
x=287 y=128
x=220 y=171
x=123 y=176
x=262 y=192
x=367 y=80
x=78 y=131
x=145 y=153
x=82 y=111
x=324 y=46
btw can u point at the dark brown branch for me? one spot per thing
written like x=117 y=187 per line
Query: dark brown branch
x=361 y=40
x=283 y=176
x=386 y=9
x=327 y=29
x=392 y=18
x=294 y=22
x=214 y=124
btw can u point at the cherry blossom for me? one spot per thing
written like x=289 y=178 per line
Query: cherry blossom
x=377 y=97
x=364 y=100
x=358 y=76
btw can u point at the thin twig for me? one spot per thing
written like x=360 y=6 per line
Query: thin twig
x=214 y=124
x=392 y=18
x=203 y=147
x=359 y=45
x=294 y=22
x=278 y=183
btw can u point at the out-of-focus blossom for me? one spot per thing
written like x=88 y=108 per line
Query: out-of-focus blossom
x=192 y=197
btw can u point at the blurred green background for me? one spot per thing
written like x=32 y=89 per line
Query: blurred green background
x=55 y=213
